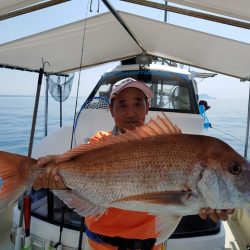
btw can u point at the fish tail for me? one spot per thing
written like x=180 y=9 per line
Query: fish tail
x=16 y=174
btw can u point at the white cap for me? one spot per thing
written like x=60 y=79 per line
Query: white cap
x=130 y=83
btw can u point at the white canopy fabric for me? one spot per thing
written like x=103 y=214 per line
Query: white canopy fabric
x=7 y=6
x=106 y=40
x=239 y=9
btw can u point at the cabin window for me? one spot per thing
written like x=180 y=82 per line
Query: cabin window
x=170 y=95
x=104 y=90
x=173 y=92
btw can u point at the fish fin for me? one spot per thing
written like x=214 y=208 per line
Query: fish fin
x=15 y=177
x=159 y=126
x=164 y=197
x=165 y=226
x=81 y=206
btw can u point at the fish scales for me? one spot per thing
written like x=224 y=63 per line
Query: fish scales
x=155 y=164
x=127 y=168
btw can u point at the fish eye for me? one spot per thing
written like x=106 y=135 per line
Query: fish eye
x=235 y=168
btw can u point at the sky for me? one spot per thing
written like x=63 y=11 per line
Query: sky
x=24 y=83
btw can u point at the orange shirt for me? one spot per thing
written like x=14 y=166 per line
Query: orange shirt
x=118 y=222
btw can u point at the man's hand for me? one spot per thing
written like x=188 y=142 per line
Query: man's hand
x=50 y=179
x=215 y=214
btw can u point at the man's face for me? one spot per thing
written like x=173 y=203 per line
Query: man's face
x=129 y=109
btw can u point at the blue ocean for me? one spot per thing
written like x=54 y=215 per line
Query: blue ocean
x=228 y=119
x=16 y=119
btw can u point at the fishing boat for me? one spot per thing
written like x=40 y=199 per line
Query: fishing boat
x=175 y=93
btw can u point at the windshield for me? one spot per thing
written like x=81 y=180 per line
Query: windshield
x=173 y=92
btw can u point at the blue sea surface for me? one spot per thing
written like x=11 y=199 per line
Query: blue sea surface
x=228 y=119
x=16 y=114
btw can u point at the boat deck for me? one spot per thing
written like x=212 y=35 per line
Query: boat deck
x=6 y=243
x=235 y=238
x=238 y=231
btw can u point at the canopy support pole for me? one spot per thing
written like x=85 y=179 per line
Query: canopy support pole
x=123 y=23
x=166 y=13
x=40 y=78
x=60 y=92
x=247 y=131
x=46 y=108
x=31 y=9
x=192 y=13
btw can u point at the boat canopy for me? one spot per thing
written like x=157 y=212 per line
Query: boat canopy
x=233 y=8
x=12 y=8
x=7 y=6
x=105 y=40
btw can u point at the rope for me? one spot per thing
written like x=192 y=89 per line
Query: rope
x=79 y=75
x=228 y=134
x=207 y=124
x=76 y=103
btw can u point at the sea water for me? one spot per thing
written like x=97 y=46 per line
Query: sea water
x=228 y=119
x=16 y=113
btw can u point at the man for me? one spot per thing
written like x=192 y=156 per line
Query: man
x=120 y=229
